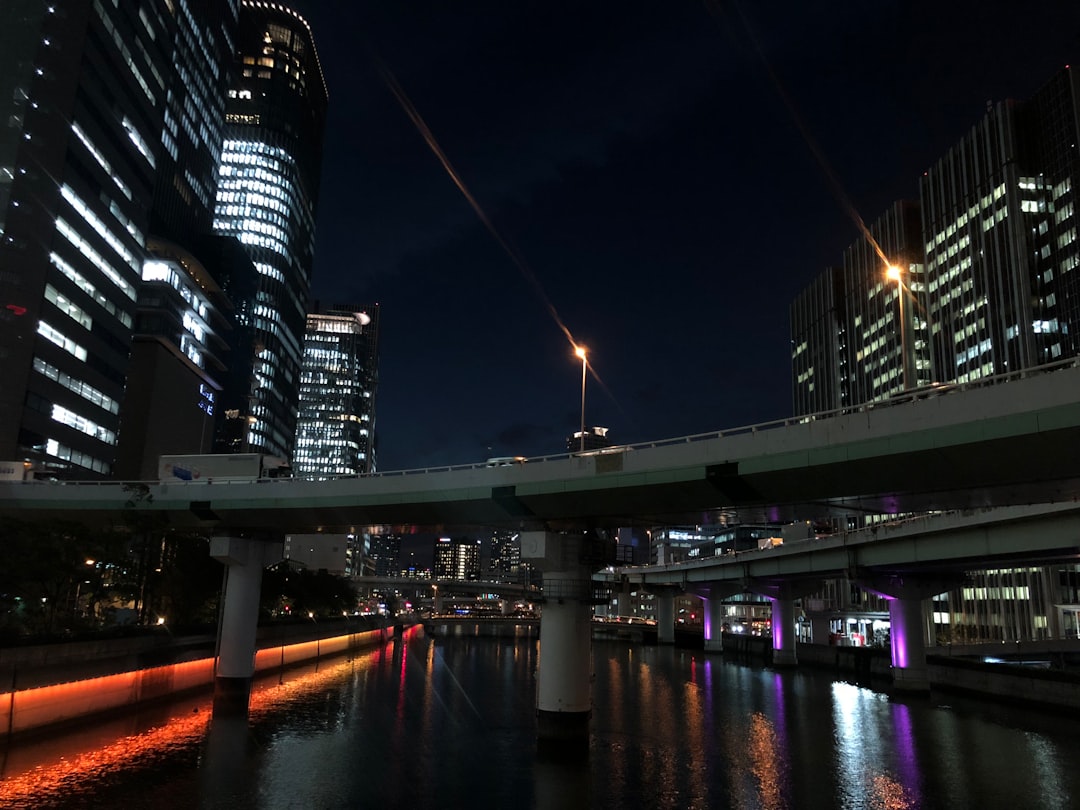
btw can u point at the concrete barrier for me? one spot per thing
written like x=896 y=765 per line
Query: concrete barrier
x=69 y=694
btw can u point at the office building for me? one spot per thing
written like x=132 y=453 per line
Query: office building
x=594 y=438
x=991 y=268
x=457 y=558
x=90 y=94
x=878 y=359
x=846 y=347
x=504 y=561
x=386 y=554
x=335 y=428
x=178 y=358
x=818 y=344
x=1000 y=229
x=268 y=188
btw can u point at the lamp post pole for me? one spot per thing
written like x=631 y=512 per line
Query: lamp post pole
x=896 y=274
x=580 y=352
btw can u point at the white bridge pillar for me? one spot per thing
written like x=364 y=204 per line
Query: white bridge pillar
x=564 y=674
x=245 y=560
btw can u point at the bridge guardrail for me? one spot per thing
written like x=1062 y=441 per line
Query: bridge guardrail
x=923 y=393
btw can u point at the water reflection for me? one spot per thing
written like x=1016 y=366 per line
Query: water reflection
x=450 y=722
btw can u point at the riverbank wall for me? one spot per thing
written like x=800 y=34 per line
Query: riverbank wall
x=47 y=686
x=1018 y=679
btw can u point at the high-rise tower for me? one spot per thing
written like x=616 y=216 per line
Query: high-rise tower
x=1000 y=227
x=267 y=193
x=84 y=93
x=335 y=432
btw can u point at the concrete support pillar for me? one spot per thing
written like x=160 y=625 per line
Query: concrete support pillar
x=626 y=608
x=783 y=632
x=907 y=628
x=714 y=624
x=564 y=676
x=245 y=560
x=564 y=673
x=712 y=595
x=820 y=629
x=908 y=640
x=436 y=601
x=782 y=595
x=665 y=616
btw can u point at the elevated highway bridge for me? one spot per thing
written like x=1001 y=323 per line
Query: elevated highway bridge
x=1009 y=443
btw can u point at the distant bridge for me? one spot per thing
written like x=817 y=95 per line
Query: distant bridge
x=447 y=586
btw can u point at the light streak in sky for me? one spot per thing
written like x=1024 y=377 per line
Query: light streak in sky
x=714 y=7
x=518 y=260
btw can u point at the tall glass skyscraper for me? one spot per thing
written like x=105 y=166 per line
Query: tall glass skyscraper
x=335 y=432
x=85 y=94
x=267 y=193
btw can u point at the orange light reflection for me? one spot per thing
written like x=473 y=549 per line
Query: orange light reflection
x=176 y=733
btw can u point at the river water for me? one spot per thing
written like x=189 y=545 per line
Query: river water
x=449 y=722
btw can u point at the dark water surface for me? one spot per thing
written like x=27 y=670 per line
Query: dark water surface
x=448 y=722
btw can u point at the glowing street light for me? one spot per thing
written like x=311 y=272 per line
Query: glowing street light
x=894 y=273
x=580 y=352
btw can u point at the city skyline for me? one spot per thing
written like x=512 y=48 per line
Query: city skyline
x=655 y=174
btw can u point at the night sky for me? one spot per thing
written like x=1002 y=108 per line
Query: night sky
x=650 y=169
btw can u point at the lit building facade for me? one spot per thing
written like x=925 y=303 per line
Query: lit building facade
x=819 y=345
x=267 y=192
x=595 y=438
x=993 y=273
x=875 y=351
x=335 y=428
x=386 y=554
x=846 y=349
x=84 y=91
x=177 y=359
x=1000 y=227
x=457 y=559
x=505 y=555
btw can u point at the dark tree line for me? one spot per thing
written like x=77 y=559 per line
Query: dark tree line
x=61 y=579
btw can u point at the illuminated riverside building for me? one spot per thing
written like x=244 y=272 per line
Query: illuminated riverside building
x=457 y=559
x=86 y=91
x=386 y=554
x=994 y=288
x=335 y=429
x=177 y=362
x=846 y=349
x=1000 y=228
x=991 y=266
x=267 y=192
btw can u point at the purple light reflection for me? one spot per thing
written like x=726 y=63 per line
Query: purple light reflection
x=907 y=761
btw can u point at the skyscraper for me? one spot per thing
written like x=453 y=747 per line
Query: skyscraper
x=267 y=194
x=818 y=342
x=1000 y=227
x=335 y=430
x=992 y=265
x=991 y=270
x=457 y=558
x=84 y=90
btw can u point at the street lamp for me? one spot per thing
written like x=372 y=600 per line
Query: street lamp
x=894 y=273
x=580 y=352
